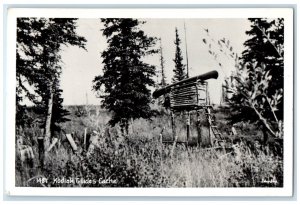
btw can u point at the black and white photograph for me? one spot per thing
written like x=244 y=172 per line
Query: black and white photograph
x=134 y=101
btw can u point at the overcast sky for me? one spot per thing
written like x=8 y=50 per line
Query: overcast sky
x=80 y=66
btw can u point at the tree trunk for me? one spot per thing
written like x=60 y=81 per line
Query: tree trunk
x=198 y=124
x=124 y=126
x=47 y=134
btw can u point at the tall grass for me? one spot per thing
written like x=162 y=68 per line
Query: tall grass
x=141 y=160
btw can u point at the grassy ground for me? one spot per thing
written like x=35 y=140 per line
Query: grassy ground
x=141 y=160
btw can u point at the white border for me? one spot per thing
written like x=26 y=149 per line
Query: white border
x=13 y=13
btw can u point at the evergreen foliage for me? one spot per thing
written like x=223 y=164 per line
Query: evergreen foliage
x=179 y=73
x=39 y=41
x=126 y=78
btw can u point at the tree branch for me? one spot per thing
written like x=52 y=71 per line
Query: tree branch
x=263 y=120
x=272 y=110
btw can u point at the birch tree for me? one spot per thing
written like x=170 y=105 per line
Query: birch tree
x=39 y=42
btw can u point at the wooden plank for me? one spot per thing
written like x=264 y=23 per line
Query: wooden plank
x=183 y=104
x=54 y=141
x=184 y=89
x=194 y=89
x=193 y=95
x=184 y=99
x=191 y=92
x=72 y=142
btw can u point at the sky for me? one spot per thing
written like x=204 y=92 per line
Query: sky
x=80 y=66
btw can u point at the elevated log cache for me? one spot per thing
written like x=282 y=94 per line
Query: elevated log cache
x=188 y=94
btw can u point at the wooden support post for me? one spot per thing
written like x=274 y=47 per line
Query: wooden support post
x=209 y=125
x=84 y=139
x=174 y=145
x=161 y=148
x=210 y=135
x=173 y=125
x=188 y=122
x=199 y=140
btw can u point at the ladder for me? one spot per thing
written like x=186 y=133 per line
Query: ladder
x=219 y=139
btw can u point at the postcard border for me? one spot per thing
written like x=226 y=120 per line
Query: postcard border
x=16 y=191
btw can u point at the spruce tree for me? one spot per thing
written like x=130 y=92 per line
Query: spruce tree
x=179 y=73
x=126 y=78
x=162 y=66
